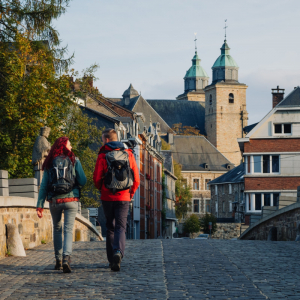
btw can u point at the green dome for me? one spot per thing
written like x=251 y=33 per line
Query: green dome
x=195 y=70
x=225 y=60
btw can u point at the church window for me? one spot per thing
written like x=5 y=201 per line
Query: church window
x=210 y=99
x=231 y=98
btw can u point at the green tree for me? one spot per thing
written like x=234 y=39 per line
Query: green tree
x=191 y=224
x=183 y=193
x=204 y=223
x=32 y=95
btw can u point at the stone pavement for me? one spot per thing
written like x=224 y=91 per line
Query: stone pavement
x=159 y=269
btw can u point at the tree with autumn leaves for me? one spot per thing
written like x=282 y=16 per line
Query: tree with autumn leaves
x=36 y=90
x=183 y=194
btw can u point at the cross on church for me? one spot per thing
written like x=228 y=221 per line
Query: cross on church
x=195 y=41
x=225 y=28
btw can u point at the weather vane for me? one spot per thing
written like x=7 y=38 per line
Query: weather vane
x=195 y=41
x=225 y=28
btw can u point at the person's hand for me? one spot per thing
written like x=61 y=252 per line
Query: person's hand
x=39 y=212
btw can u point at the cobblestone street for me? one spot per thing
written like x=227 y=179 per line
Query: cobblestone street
x=159 y=269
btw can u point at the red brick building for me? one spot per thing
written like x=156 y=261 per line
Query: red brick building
x=271 y=151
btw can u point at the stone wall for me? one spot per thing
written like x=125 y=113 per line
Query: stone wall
x=33 y=231
x=282 y=224
x=227 y=231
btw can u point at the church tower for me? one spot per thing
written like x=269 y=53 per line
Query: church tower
x=195 y=80
x=225 y=107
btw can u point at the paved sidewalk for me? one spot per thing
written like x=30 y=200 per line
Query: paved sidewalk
x=159 y=269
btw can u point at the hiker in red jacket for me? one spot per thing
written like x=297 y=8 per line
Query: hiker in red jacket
x=115 y=202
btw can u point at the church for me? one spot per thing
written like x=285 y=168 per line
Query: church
x=216 y=109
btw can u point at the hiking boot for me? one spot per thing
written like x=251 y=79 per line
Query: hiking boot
x=116 y=264
x=58 y=265
x=66 y=264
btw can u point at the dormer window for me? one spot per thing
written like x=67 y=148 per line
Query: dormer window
x=231 y=98
x=210 y=99
x=282 y=128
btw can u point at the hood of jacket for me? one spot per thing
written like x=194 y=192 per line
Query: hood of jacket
x=112 y=146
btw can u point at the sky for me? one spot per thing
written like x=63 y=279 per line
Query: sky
x=151 y=43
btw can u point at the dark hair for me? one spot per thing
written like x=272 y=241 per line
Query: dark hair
x=110 y=134
x=58 y=148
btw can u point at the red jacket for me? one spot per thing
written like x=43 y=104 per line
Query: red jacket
x=101 y=169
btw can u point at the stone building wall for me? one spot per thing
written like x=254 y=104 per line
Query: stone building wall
x=34 y=230
x=203 y=194
x=223 y=120
x=223 y=199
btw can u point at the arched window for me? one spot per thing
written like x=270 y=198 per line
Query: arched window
x=231 y=98
x=210 y=99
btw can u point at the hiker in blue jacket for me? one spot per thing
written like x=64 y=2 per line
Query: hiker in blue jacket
x=63 y=176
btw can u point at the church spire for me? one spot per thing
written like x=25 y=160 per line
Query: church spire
x=195 y=40
x=225 y=30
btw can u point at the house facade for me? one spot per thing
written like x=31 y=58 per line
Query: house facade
x=227 y=195
x=201 y=162
x=170 y=197
x=271 y=153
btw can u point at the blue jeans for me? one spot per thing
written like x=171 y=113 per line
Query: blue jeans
x=70 y=209
x=116 y=220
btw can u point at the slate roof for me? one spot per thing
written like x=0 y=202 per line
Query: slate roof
x=193 y=152
x=292 y=99
x=235 y=175
x=168 y=160
x=189 y=113
x=248 y=128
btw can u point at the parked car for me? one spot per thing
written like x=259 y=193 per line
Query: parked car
x=202 y=236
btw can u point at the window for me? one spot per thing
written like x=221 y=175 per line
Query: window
x=230 y=206
x=257 y=163
x=230 y=188
x=196 y=205
x=206 y=183
x=265 y=164
x=275 y=163
x=283 y=128
x=207 y=206
x=210 y=99
x=196 y=184
x=267 y=199
x=231 y=98
x=216 y=190
x=257 y=201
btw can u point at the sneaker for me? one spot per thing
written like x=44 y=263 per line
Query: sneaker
x=58 y=265
x=66 y=264
x=116 y=264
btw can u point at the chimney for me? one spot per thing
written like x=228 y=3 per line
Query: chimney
x=277 y=95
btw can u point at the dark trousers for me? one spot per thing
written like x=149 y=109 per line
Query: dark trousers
x=116 y=219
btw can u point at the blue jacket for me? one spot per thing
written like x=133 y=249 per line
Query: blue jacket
x=43 y=192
